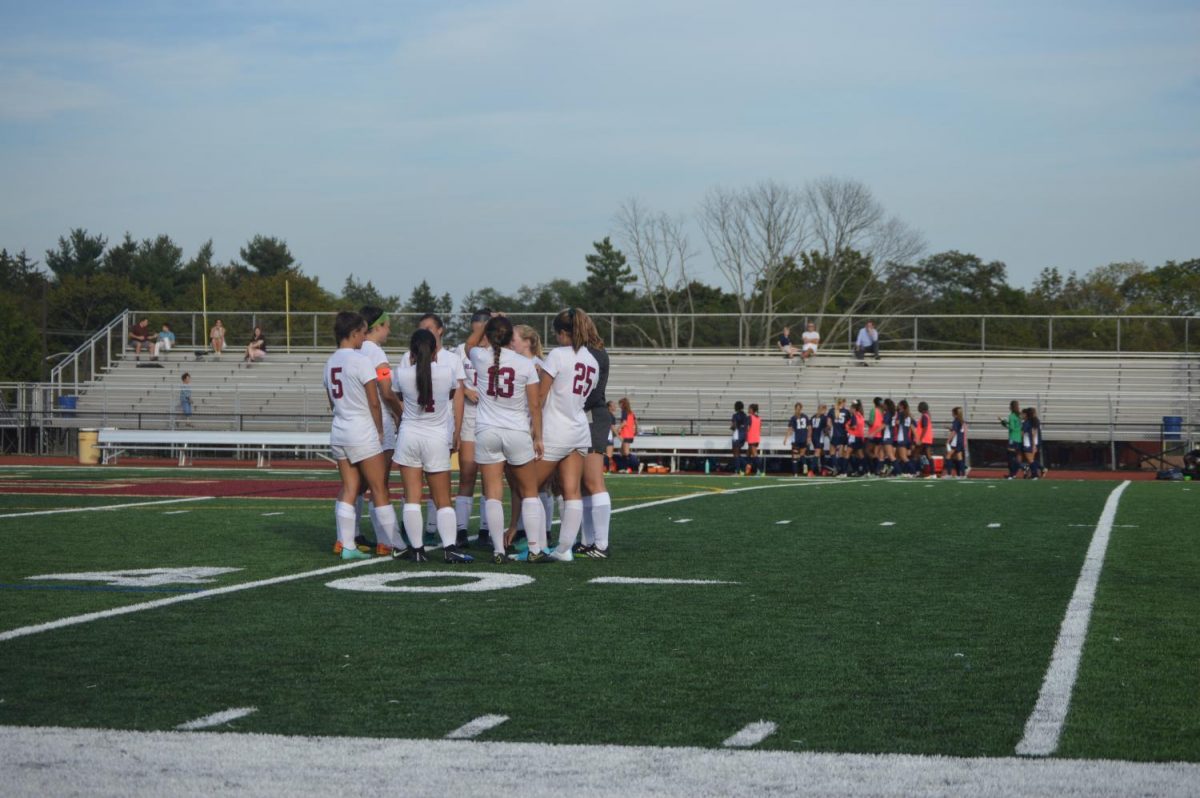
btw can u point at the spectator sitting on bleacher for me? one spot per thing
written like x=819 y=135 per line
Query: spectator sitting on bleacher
x=140 y=335
x=785 y=345
x=257 y=348
x=811 y=339
x=165 y=340
x=867 y=341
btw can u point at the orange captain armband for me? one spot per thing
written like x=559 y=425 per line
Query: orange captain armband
x=384 y=373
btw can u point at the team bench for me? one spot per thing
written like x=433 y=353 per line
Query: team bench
x=712 y=446
x=114 y=442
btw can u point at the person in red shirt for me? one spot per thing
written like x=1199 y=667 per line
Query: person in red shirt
x=628 y=431
x=856 y=434
x=753 y=439
x=140 y=335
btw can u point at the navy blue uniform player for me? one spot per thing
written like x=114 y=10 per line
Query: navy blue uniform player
x=739 y=423
x=816 y=428
x=798 y=432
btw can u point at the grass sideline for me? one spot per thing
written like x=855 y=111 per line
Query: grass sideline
x=928 y=636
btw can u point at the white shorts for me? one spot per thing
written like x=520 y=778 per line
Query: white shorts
x=428 y=452
x=389 y=431
x=810 y=348
x=355 y=454
x=467 y=433
x=555 y=453
x=495 y=445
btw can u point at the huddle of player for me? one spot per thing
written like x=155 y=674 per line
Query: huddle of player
x=887 y=440
x=542 y=424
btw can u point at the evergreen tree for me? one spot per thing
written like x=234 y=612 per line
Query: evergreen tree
x=607 y=275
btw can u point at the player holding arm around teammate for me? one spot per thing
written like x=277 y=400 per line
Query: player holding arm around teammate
x=378 y=330
x=508 y=427
x=356 y=435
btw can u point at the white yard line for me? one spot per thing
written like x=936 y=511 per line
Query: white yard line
x=648 y=580
x=1045 y=724
x=476 y=727
x=217 y=718
x=107 y=507
x=751 y=734
x=220 y=591
x=56 y=761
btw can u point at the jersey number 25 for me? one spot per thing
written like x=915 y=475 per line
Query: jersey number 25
x=585 y=379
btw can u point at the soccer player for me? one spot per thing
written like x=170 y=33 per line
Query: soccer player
x=356 y=436
x=888 y=443
x=875 y=436
x=527 y=343
x=798 y=433
x=569 y=374
x=1014 y=426
x=856 y=433
x=903 y=438
x=816 y=425
x=464 y=502
x=841 y=446
x=628 y=431
x=428 y=388
x=956 y=445
x=597 y=504
x=508 y=427
x=1031 y=443
x=739 y=422
x=925 y=439
x=378 y=330
x=753 y=439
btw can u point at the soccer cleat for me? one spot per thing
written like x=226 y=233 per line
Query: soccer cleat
x=581 y=548
x=453 y=555
x=337 y=547
x=462 y=539
x=597 y=553
x=355 y=554
x=400 y=554
x=382 y=551
x=484 y=541
x=415 y=555
x=501 y=559
x=557 y=556
x=540 y=557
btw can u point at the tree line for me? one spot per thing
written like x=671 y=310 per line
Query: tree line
x=826 y=251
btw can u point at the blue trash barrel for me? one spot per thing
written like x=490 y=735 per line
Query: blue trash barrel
x=1172 y=428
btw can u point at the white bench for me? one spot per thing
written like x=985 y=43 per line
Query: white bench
x=715 y=446
x=115 y=442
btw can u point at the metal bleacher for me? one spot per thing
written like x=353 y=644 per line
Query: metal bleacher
x=1081 y=397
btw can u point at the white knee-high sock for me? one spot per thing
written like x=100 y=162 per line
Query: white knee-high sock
x=588 y=528
x=547 y=508
x=493 y=511
x=601 y=512
x=572 y=519
x=412 y=525
x=389 y=527
x=445 y=526
x=462 y=510
x=430 y=516
x=344 y=518
x=535 y=523
x=380 y=535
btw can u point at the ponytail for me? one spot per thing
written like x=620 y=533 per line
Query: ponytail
x=576 y=322
x=422 y=347
x=499 y=334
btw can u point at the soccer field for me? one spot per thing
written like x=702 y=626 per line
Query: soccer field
x=830 y=616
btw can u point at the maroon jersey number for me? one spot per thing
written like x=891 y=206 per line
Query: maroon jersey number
x=585 y=379
x=335 y=380
x=501 y=382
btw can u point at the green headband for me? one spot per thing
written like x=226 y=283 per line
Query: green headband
x=383 y=317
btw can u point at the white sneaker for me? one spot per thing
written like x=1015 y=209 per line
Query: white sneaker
x=560 y=556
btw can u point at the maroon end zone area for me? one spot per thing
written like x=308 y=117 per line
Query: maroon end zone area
x=166 y=487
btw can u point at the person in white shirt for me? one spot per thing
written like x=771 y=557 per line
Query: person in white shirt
x=378 y=329
x=569 y=374
x=811 y=341
x=432 y=404
x=464 y=502
x=432 y=322
x=356 y=436
x=527 y=343
x=508 y=427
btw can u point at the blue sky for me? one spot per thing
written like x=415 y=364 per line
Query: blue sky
x=490 y=143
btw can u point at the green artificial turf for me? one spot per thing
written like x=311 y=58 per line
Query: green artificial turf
x=930 y=634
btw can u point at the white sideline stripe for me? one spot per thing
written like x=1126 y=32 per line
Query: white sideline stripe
x=176 y=512
x=683 y=520
x=49 y=761
x=150 y=605
x=1045 y=723
x=751 y=734
x=217 y=718
x=107 y=507
x=182 y=597
x=476 y=727
x=649 y=580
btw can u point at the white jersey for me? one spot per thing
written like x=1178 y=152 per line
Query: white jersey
x=502 y=400
x=460 y=352
x=448 y=358
x=347 y=373
x=375 y=355
x=418 y=420
x=564 y=422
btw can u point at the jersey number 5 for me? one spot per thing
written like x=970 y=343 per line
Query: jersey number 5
x=585 y=379
x=501 y=382
x=335 y=381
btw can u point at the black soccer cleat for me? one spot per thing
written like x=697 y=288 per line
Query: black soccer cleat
x=455 y=556
x=463 y=539
x=400 y=554
x=581 y=549
x=501 y=559
x=540 y=557
x=416 y=555
x=597 y=553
